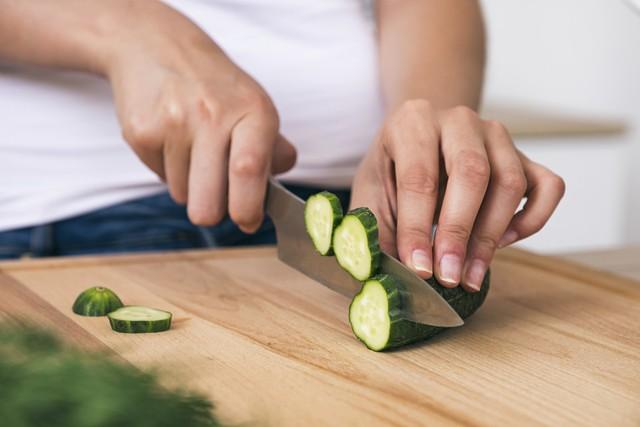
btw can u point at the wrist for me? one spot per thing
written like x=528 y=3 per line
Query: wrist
x=126 y=30
x=152 y=31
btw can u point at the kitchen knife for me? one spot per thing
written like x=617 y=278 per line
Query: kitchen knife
x=422 y=303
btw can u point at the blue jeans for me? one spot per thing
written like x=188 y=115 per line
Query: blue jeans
x=154 y=223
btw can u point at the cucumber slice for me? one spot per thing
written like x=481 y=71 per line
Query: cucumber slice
x=322 y=213
x=375 y=312
x=135 y=319
x=355 y=243
x=96 y=301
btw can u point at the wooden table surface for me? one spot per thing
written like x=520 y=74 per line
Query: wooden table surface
x=524 y=121
x=555 y=344
x=624 y=261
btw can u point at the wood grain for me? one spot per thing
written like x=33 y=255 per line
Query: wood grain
x=555 y=344
x=624 y=261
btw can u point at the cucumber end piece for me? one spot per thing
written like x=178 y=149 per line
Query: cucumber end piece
x=133 y=319
x=401 y=331
x=96 y=301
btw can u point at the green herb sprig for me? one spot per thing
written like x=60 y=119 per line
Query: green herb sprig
x=45 y=383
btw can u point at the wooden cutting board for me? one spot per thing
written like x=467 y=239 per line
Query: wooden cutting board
x=555 y=344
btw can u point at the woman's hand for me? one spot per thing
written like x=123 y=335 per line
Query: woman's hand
x=464 y=174
x=196 y=119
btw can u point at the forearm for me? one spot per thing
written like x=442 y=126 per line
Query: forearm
x=431 y=49
x=79 y=34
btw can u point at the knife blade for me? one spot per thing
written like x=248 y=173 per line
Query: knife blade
x=422 y=303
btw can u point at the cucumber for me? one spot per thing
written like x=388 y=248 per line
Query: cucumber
x=355 y=243
x=135 y=319
x=375 y=312
x=96 y=301
x=322 y=214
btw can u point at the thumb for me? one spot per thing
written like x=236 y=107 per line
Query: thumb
x=284 y=155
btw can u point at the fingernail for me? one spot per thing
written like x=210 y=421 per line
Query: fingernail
x=508 y=238
x=450 y=266
x=475 y=274
x=421 y=261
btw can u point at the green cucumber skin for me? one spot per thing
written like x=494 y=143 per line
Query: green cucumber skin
x=139 y=326
x=368 y=220
x=336 y=208
x=403 y=332
x=96 y=301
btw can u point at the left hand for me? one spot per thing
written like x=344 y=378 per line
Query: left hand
x=453 y=169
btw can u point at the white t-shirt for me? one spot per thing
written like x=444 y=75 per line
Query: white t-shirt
x=61 y=149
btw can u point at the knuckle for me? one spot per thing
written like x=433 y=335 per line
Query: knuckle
x=485 y=241
x=455 y=232
x=175 y=115
x=209 y=109
x=474 y=166
x=392 y=131
x=496 y=129
x=260 y=102
x=464 y=113
x=512 y=181
x=412 y=125
x=137 y=133
x=420 y=181
x=263 y=107
x=252 y=98
x=247 y=165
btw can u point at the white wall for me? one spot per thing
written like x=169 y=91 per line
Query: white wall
x=579 y=56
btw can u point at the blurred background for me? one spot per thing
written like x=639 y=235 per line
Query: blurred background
x=564 y=76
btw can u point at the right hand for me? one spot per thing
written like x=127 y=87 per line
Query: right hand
x=197 y=120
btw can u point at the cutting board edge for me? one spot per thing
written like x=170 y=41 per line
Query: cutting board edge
x=142 y=257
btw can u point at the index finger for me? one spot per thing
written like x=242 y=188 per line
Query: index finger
x=468 y=168
x=416 y=158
